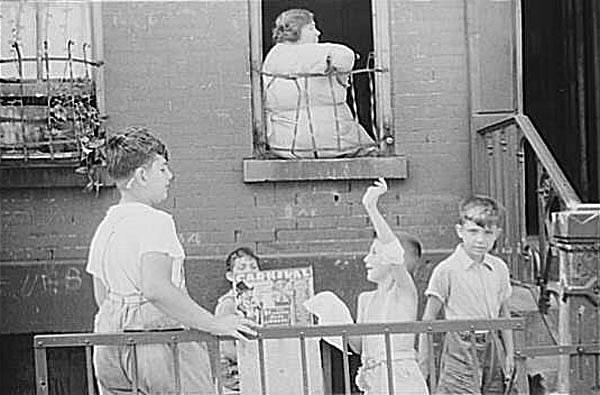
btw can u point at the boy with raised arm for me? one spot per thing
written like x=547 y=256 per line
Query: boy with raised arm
x=388 y=264
x=472 y=284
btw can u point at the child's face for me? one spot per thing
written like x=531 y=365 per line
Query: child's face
x=378 y=269
x=477 y=240
x=242 y=264
x=157 y=179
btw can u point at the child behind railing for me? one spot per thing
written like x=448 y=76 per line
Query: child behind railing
x=388 y=263
x=472 y=284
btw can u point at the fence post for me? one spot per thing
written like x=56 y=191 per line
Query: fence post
x=41 y=368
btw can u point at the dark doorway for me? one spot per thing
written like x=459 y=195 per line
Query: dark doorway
x=347 y=22
x=561 y=64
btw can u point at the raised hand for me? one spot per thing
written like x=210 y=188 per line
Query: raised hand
x=235 y=326
x=373 y=192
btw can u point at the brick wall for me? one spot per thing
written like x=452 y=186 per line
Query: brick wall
x=182 y=68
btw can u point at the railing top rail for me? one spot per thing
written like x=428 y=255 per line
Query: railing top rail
x=542 y=351
x=293 y=76
x=182 y=336
x=396 y=327
x=561 y=183
x=95 y=63
x=122 y=338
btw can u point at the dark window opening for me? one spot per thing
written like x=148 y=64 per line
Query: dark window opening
x=347 y=22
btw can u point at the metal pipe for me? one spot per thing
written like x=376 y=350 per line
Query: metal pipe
x=88 y=370
x=41 y=368
x=389 y=361
x=304 y=363
x=581 y=99
x=345 y=362
x=134 y=368
x=261 y=366
x=176 y=368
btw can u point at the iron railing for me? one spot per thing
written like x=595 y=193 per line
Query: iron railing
x=500 y=172
x=48 y=118
x=133 y=339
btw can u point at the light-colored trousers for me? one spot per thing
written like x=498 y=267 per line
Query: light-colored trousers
x=113 y=366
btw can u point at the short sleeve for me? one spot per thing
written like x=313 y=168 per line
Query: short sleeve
x=505 y=287
x=160 y=235
x=439 y=284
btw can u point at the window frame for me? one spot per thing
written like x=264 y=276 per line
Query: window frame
x=44 y=172
x=389 y=165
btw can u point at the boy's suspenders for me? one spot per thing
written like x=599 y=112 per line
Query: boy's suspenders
x=114 y=296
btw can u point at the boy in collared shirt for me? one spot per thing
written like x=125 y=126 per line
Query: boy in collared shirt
x=472 y=284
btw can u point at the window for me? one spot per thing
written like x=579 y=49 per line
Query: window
x=50 y=82
x=363 y=25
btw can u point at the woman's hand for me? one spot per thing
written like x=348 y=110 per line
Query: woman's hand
x=235 y=326
x=373 y=192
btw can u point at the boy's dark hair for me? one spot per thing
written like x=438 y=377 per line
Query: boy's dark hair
x=482 y=210
x=130 y=149
x=238 y=253
x=410 y=243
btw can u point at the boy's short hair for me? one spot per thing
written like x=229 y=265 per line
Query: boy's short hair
x=238 y=253
x=130 y=149
x=410 y=243
x=483 y=210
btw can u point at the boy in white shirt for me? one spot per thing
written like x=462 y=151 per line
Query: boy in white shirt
x=136 y=260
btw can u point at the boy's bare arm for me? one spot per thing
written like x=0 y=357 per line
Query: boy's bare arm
x=507 y=337
x=369 y=201
x=156 y=286
x=385 y=234
x=432 y=309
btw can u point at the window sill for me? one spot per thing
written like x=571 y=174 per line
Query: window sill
x=43 y=175
x=275 y=170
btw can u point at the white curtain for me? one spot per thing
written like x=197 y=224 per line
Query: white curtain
x=59 y=22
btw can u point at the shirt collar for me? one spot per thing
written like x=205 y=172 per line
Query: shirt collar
x=462 y=256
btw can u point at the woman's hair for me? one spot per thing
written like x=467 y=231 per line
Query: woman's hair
x=289 y=24
x=238 y=253
x=130 y=149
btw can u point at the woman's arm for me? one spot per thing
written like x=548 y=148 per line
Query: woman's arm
x=340 y=56
x=156 y=286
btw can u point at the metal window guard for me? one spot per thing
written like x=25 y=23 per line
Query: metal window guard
x=28 y=131
x=344 y=78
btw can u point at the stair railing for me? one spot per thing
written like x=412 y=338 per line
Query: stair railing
x=500 y=172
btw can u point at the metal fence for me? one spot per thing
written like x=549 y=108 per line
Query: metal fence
x=134 y=339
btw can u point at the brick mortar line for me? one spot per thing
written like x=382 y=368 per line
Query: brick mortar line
x=219 y=257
